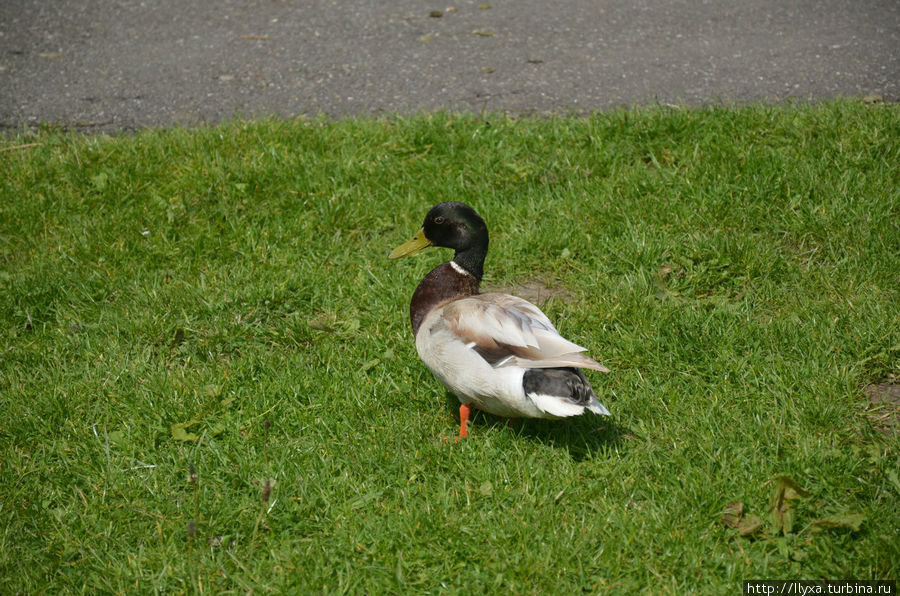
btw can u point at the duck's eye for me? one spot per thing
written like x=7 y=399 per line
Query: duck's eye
x=439 y=219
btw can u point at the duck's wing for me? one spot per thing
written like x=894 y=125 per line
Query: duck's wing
x=510 y=331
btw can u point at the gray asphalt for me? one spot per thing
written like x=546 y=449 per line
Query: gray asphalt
x=105 y=66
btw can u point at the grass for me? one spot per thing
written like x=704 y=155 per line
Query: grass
x=208 y=381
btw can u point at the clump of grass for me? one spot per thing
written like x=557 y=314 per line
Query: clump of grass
x=193 y=479
x=736 y=269
x=266 y=494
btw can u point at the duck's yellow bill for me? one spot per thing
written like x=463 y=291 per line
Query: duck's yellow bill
x=418 y=242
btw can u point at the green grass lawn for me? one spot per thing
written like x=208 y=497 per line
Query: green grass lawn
x=208 y=381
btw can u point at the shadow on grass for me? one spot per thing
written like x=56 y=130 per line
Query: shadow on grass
x=584 y=437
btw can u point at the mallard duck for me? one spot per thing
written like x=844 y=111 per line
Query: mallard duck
x=495 y=352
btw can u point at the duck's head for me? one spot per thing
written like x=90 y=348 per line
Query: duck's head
x=451 y=225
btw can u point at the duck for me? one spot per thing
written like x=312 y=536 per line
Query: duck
x=495 y=352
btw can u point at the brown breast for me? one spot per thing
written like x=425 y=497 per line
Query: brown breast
x=443 y=284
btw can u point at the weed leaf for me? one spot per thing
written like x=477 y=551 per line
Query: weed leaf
x=892 y=476
x=850 y=521
x=781 y=509
x=178 y=338
x=749 y=525
x=350 y=326
x=733 y=517
x=99 y=181
x=320 y=324
x=180 y=432
x=732 y=514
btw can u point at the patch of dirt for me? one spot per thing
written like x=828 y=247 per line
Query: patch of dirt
x=538 y=290
x=884 y=404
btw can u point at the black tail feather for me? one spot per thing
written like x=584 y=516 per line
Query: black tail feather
x=567 y=383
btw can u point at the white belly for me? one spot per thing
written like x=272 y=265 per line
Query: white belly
x=464 y=372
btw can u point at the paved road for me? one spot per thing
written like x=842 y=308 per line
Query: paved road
x=105 y=65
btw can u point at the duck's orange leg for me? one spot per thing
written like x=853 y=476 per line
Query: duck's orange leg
x=464 y=411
